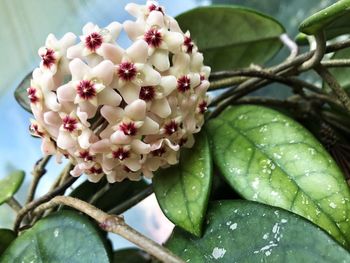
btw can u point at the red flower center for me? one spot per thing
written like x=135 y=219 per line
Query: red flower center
x=95 y=170
x=153 y=7
x=188 y=44
x=127 y=71
x=32 y=95
x=171 y=127
x=69 y=123
x=183 y=84
x=159 y=152
x=128 y=128
x=86 y=89
x=48 y=58
x=203 y=107
x=86 y=156
x=93 y=41
x=121 y=154
x=147 y=93
x=153 y=37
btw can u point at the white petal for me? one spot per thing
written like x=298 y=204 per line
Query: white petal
x=48 y=147
x=160 y=59
x=104 y=71
x=112 y=114
x=119 y=137
x=114 y=29
x=112 y=52
x=130 y=92
x=174 y=41
x=138 y=52
x=84 y=138
x=65 y=140
x=79 y=69
x=133 y=9
x=169 y=84
x=134 y=29
x=155 y=18
x=133 y=164
x=136 y=110
x=75 y=51
x=89 y=28
x=66 y=92
x=109 y=96
x=161 y=107
x=140 y=147
x=150 y=77
x=67 y=40
x=149 y=127
x=101 y=146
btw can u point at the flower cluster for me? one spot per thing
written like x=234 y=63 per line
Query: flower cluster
x=120 y=112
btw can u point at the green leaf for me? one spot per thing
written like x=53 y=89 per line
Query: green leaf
x=334 y=20
x=270 y=158
x=61 y=237
x=131 y=255
x=242 y=231
x=21 y=94
x=115 y=195
x=231 y=36
x=6 y=237
x=10 y=185
x=183 y=190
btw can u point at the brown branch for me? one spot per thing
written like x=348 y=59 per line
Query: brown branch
x=38 y=171
x=32 y=205
x=114 y=224
x=14 y=204
x=334 y=85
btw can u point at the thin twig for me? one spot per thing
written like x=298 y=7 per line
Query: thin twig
x=99 y=193
x=334 y=63
x=14 y=204
x=334 y=85
x=132 y=201
x=32 y=205
x=114 y=224
x=38 y=171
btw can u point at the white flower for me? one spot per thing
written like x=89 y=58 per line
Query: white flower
x=120 y=113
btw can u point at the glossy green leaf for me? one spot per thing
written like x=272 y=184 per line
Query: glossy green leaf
x=6 y=237
x=270 y=158
x=334 y=20
x=232 y=37
x=61 y=237
x=183 y=190
x=242 y=231
x=131 y=255
x=10 y=185
x=21 y=94
x=114 y=196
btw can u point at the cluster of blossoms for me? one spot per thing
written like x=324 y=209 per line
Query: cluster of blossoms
x=116 y=112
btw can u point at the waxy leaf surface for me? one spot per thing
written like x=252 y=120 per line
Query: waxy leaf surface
x=10 y=185
x=183 y=190
x=242 y=231
x=270 y=158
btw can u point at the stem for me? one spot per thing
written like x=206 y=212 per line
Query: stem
x=336 y=63
x=99 y=193
x=32 y=205
x=291 y=45
x=38 y=171
x=334 y=85
x=14 y=204
x=319 y=52
x=114 y=224
x=132 y=201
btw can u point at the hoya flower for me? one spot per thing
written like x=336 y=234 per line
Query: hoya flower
x=89 y=87
x=160 y=40
x=132 y=70
x=92 y=39
x=54 y=50
x=115 y=112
